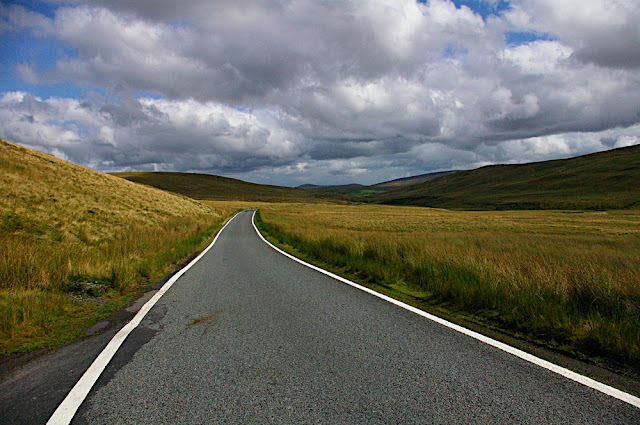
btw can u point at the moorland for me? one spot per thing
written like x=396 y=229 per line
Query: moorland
x=547 y=252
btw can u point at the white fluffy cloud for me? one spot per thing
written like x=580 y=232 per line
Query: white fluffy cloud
x=301 y=90
x=604 y=32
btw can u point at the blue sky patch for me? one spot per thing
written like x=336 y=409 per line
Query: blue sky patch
x=47 y=9
x=483 y=8
x=518 y=38
x=22 y=47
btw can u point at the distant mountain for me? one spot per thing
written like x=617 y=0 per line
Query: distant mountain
x=217 y=188
x=355 y=189
x=604 y=180
x=344 y=189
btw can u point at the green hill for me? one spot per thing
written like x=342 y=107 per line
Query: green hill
x=216 y=188
x=604 y=180
x=408 y=181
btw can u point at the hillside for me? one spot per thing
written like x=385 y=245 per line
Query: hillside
x=604 y=180
x=41 y=189
x=75 y=243
x=355 y=189
x=210 y=187
x=408 y=181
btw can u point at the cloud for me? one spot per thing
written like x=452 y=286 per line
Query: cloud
x=351 y=89
x=160 y=134
x=17 y=18
x=603 y=32
x=27 y=73
x=141 y=133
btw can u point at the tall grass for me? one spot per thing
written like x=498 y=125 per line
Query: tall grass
x=75 y=244
x=571 y=281
x=132 y=252
x=50 y=291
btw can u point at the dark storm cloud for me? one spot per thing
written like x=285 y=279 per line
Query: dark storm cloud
x=623 y=54
x=350 y=148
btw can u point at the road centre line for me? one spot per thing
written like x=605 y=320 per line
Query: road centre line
x=70 y=405
x=591 y=383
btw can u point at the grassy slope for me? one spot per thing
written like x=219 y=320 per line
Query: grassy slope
x=74 y=243
x=408 y=181
x=605 y=180
x=209 y=187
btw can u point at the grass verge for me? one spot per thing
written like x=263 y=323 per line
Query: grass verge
x=85 y=283
x=569 y=282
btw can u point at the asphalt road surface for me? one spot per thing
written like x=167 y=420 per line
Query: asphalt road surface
x=250 y=336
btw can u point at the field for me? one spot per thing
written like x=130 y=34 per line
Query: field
x=565 y=279
x=76 y=244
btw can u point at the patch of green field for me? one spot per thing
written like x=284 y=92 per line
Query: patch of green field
x=565 y=280
x=363 y=192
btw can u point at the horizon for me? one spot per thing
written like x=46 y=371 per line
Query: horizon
x=395 y=179
x=290 y=93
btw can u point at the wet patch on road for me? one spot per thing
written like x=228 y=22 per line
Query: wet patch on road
x=209 y=318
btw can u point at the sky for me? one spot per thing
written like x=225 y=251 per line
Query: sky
x=327 y=92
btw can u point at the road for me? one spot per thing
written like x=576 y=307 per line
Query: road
x=250 y=336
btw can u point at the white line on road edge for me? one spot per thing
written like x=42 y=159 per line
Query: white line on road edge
x=69 y=406
x=599 y=386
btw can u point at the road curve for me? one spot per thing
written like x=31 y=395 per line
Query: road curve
x=249 y=336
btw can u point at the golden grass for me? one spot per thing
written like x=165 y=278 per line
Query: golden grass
x=74 y=243
x=570 y=280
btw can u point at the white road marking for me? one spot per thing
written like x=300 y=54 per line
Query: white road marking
x=599 y=386
x=69 y=406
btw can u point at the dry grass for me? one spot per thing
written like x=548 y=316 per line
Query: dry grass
x=570 y=280
x=74 y=243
